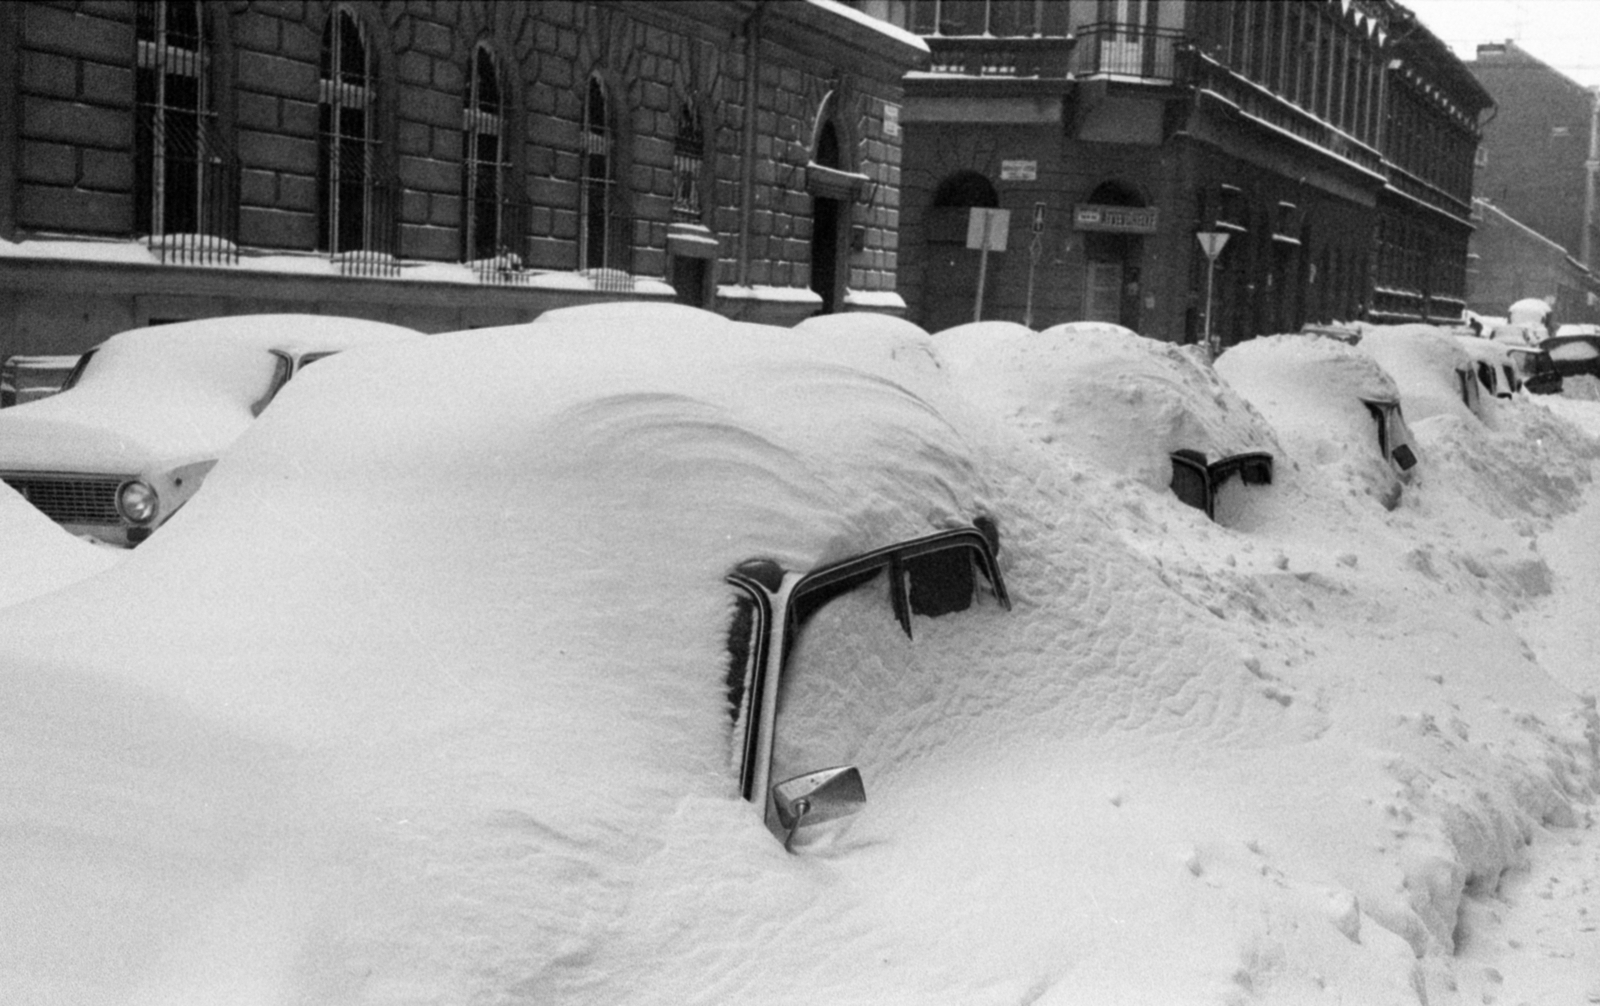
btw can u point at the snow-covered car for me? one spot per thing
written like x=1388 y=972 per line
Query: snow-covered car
x=1579 y=328
x=1433 y=372
x=1535 y=369
x=724 y=562
x=27 y=378
x=1141 y=408
x=146 y=413
x=1089 y=328
x=1494 y=364
x=1331 y=404
x=1573 y=355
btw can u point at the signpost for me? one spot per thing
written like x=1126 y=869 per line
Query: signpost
x=1211 y=242
x=1033 y=259
x=986 y=231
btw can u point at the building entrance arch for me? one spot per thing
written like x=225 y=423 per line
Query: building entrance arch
x=950 y=281
x=1112 y=261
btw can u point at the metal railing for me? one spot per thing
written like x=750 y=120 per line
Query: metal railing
x=188 y=182
x=978 y=56
x=499 y=260
x=1120 y=49
x=1206 y=74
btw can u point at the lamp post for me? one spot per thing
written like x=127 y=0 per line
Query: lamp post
x=1211 y=242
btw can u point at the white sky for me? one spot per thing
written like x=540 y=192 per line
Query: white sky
x=1560 y=32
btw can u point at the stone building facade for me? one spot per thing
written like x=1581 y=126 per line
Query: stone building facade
x=1328 y=144
x=441 y=164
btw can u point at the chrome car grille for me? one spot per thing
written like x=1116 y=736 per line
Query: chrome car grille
x=70 y=499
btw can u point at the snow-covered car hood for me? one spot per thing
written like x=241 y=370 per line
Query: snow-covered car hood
x=118 y=431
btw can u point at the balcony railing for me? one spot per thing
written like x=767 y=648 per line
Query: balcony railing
x=1206 y=74
x=982 y=56
x=1128 y=51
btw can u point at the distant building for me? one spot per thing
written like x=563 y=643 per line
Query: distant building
x=1537 y=160
x=1511 y=261
x=1537 y=171
x=1331 y=141
x=441 y=163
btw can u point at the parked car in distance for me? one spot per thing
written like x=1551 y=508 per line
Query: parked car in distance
x=27 y=378
x=1584 y=328
x=1535 y=369
x=1331 y=404
x=1496 y=369
x=1573 y=355
x=145 y=414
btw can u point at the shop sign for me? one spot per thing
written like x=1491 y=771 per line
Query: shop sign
x=1122 y=219
x=1019 y=171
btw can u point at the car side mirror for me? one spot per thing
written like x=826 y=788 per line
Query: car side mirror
x=816 y=797
x=1405 y=458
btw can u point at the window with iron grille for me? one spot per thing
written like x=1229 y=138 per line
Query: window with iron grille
x=595 y=237
x=486 y=231
x=688 y=161
x=175 y=117
x=346 y=154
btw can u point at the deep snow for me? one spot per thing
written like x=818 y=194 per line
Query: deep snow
x=408 y=705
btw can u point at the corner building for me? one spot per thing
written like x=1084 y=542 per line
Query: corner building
x=442 y=163
x=1331 y=141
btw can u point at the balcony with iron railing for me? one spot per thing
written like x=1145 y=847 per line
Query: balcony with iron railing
x=1018 y=57
x=1206 y=75
x=1128 y=52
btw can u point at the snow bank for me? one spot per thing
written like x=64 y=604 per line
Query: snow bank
x=39 y=556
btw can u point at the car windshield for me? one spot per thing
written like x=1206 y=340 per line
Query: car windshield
x=152 y=367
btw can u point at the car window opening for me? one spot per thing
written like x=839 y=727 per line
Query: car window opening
x=1197 y=483
x=930 y=576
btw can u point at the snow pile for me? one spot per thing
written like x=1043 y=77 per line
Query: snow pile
x=423 y=700
x=39 y=556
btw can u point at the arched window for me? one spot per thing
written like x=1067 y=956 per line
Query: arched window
x=486 y=232
x=175 y=117
x=596 y=243
x=346 y=154
x=688 y=161
x=964 y=189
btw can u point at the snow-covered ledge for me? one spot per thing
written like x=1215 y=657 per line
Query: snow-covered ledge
x=881 y=301
x=768 y=305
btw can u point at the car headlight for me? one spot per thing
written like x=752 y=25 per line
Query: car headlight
x=137 y=501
